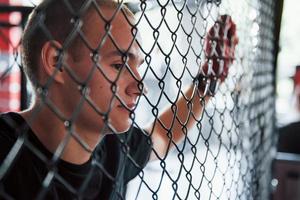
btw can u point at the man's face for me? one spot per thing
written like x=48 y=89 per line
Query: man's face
x=110 y=74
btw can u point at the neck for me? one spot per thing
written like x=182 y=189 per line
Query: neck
x=53 y=132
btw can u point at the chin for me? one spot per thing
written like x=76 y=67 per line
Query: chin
x=122 y=130
x=122 y=127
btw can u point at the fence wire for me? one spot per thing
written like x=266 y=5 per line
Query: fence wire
x=102 y=83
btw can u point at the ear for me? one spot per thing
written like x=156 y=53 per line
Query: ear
x=51 y=62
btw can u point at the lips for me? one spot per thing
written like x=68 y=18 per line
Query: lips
x=129 y=106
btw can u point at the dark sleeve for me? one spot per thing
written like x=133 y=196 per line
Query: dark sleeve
x=140 y=146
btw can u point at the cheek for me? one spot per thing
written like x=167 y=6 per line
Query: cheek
x=100 y=93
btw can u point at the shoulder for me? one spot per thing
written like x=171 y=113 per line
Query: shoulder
x=140 y=147
x=290 y=129
x=291 y=126
x=131 y=149
x=289 y=137
x=138 y=137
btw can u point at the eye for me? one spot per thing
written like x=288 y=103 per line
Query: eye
x=117 y=66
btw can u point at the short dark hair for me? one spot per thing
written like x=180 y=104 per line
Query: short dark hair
x=55 y=20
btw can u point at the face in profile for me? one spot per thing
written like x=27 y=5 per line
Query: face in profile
x=110 y=73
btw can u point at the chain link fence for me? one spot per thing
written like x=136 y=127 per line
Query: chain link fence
x=218 y=144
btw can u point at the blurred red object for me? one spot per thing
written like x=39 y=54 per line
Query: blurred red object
x=296 y=77
x=10 y=76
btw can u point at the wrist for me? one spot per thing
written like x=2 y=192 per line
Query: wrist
x=207 y=85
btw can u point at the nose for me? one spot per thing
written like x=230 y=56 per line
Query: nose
x=136 y=86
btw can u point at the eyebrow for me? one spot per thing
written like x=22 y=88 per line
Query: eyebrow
x=124 y=53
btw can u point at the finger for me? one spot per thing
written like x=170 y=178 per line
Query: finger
x=224 y=28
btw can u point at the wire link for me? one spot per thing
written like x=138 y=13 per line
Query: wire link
x=225 y=155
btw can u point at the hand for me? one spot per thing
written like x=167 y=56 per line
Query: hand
x=219 y=49
x=220 y=43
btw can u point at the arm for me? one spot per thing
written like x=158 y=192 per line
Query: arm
x=173 y=124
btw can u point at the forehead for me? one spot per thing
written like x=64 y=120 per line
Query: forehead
x=110 y=27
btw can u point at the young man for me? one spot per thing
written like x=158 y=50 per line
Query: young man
x=77 y=140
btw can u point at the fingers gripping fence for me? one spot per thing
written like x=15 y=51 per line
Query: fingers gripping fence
x=175 y=101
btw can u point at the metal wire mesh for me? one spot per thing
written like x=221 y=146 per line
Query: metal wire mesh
x=223 y=152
